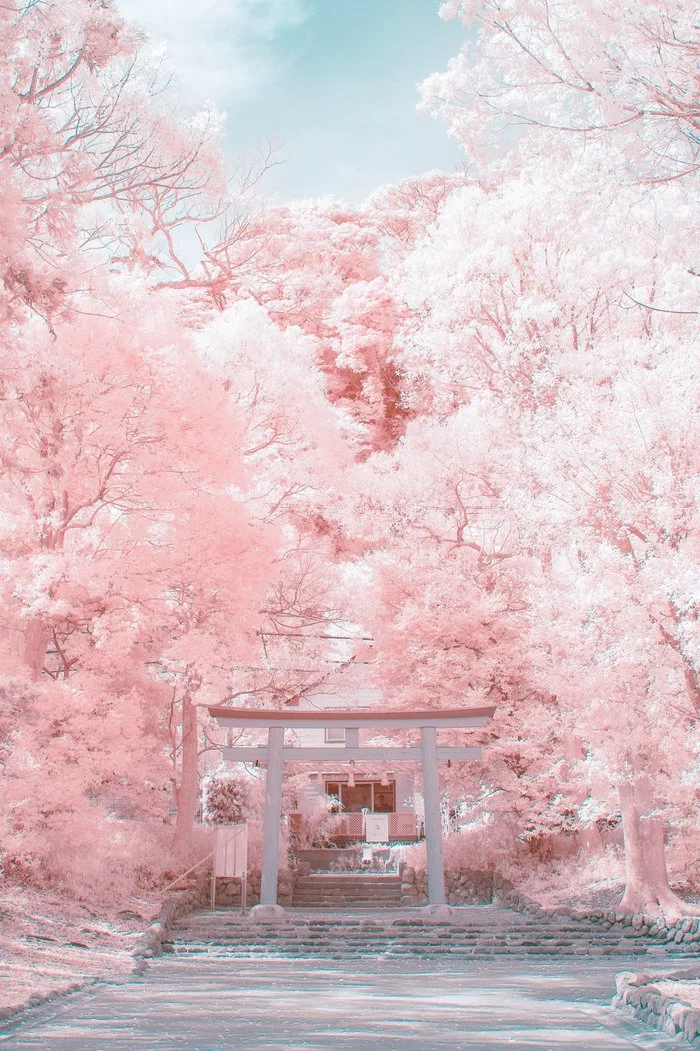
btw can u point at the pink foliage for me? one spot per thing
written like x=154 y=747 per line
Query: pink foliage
x=463 y=417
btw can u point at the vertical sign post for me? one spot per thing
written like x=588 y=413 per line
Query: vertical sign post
x=231 y=858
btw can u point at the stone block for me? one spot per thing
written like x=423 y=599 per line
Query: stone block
x=439 y=913
x=654 y=1001
x=675 y=1014
x=691 y=1024
x=268 y=914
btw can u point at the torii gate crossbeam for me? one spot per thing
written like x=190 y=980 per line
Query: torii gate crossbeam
x=276 y=754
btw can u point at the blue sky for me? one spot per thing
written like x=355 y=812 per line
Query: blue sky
x=333 y=81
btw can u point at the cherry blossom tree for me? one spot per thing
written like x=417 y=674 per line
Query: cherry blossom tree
x=566 y=74
x=566 y=350
x=129 y=537
x=461 y=416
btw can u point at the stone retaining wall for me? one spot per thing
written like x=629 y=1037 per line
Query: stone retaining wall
x=683 y=931
x=228 y=890
x=638 y=995
x=327 y=859
x=176 y=904
x=461 y=888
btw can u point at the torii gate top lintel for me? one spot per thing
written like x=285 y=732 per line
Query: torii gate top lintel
x=350 y=718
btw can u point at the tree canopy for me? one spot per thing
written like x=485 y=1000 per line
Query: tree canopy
x=462 y=418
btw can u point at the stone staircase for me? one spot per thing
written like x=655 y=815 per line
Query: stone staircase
x=347 y=890
x=476 y=932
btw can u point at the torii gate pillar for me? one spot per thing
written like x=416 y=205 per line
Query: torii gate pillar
x=433 y=816
x=273 y=815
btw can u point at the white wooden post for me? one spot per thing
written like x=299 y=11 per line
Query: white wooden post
x=433 y=816
x=273 y=814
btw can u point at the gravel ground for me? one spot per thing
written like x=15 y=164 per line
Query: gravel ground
x=390 y=1004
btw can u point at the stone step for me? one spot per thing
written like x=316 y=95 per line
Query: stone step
x=351 y=875
x=407 y=928
x=359 y=906
x=479 y=932
x=505 y=943
x=381 y=894
x=337 y=950
x=322 y=879
x=341 y=892
x=371 y=948
x=333 y=948
x=399 y=928
x=372 y=938
x=311 y=896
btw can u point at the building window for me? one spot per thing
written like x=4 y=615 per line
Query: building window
x=384 y=801
x=333 y=790
x=365 y=795
x=334 y=735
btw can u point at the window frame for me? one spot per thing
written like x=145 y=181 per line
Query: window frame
x=329 y=730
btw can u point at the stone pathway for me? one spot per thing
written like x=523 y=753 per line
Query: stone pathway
x=437 y=1004
x=363 y=981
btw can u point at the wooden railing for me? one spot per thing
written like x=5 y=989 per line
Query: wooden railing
x=350 y=825
x=401 y=826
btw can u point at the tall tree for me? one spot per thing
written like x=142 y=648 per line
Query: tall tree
x=567 y=350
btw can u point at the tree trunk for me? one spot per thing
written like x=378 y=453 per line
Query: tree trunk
x=187 y=792
x=646 y=888
x=36 y=641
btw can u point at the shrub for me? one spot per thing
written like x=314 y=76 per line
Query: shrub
x=231 y=798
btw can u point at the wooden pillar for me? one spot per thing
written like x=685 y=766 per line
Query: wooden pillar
x=273 y=814
x=433 y=816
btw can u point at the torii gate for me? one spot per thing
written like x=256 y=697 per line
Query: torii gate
x=429 y=753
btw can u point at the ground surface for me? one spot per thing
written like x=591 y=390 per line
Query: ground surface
x=48 y=945
x=687 y=991
x=183 y=1004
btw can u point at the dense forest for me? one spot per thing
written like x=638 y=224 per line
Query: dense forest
x=460 y=420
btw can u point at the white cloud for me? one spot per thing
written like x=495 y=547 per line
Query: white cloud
x=222 y=50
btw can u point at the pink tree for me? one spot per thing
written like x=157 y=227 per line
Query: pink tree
x=582 y=386
x=442 y=587
x=566 y=75
x=580 y=351
x=138 y=481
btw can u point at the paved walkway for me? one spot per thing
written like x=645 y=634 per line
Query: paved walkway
x=435 y=1004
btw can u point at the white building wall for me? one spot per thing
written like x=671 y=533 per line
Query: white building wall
x=348 y=698
x=405 y=790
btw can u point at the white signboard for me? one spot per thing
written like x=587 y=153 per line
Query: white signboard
x=377 y=828
x=231 y=851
